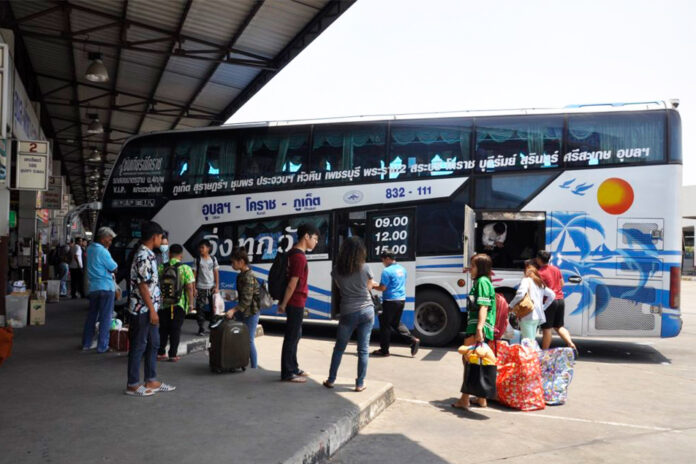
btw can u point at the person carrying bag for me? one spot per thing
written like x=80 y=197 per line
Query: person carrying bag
x=480 y=371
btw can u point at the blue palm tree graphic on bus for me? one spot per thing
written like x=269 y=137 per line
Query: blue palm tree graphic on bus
x=576 y=235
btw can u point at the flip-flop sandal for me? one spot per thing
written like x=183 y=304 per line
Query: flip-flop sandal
x=174 y=359
x=303 y=374
x=327 y=384
x=165 y=388
x=161 y=357
x=360 y=389
x=140 y=392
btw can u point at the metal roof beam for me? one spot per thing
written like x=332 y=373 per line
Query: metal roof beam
x=122 y=92
x=153 y=89
x=57 y=89
x=182 y=53
x=213 y=69
x=112 y=101
x=71 y=62
x=311 y=31
x=167 y=112
x=150 y=27
x=97 y=28
x=36 y=15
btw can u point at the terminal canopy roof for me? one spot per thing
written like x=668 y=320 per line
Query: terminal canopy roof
x=171 y=64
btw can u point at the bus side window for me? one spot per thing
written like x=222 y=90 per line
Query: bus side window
x=348 y=147
x=598 y=139
x=514 y=143
x=427 y=148
x=272 y=152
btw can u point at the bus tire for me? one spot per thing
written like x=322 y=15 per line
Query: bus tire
x=437 y=319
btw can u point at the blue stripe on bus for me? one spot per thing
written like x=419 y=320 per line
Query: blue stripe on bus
x=439 y=266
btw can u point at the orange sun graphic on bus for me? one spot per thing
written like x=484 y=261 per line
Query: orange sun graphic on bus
x=615 y=196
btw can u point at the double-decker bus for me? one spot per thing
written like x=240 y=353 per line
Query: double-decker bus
x=597 y=186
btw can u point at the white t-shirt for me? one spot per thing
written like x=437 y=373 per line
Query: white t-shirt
x=489 y=237
x=76 y=262
x=205 y=275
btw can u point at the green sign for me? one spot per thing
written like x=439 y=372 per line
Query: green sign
x=13 y=219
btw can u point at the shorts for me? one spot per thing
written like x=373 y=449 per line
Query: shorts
x=555 y=315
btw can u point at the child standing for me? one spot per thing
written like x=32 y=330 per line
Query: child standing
x=207 y=274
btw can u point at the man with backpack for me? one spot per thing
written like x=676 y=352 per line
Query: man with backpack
x=177 y=286
x=294 y=298
x=207 y=274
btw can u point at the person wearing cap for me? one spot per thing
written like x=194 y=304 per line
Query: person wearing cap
x=102 y=290
x=392 y=284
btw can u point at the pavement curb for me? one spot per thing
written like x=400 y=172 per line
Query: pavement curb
x=197 y=344
x=327 y=443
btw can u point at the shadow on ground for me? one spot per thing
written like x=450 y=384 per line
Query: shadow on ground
x=394 y=448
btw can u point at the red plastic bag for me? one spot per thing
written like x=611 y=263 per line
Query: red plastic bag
x=6 y=336
x=519 y=382
x=501 y=349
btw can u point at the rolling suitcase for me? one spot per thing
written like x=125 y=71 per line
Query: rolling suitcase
x=229 y=346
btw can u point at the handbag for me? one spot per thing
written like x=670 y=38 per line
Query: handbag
x=265 y=299
x=524 y=307
x=480 y=379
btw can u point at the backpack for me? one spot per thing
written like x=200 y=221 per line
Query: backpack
x=278 y=275
x=170 y=285
x=501 y=316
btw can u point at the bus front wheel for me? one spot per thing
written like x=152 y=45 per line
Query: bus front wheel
x=437 y=318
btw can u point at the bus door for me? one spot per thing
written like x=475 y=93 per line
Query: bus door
x=469 y=241
x=388 y=229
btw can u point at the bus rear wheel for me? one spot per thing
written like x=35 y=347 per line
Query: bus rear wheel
x=437 y=318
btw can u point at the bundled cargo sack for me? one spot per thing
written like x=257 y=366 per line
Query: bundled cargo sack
x=557 y=369
x=501 y=349
x=519 y=380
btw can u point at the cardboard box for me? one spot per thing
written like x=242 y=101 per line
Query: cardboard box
x=37 y=312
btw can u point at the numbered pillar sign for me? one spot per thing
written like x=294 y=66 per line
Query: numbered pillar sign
x=392 y=230
x=32 y=166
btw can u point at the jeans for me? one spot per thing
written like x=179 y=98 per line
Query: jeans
x=144 y=343
x=63 y=275
x=101 y=307
x=293 y=332
x=251 y=322
x=390 y=321
x=362 y=321
x=76 y=282
x=171 y=320
x=529 y=328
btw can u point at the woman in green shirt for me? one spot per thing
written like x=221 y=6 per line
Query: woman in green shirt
x=480 y=312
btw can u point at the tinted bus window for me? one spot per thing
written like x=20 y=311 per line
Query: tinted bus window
x=508 y=191
x=340 y=148
x=598 y=139
x=139 y=177
x=266 y=152
x=675 y=137
x=429 y=148
x=520 y=142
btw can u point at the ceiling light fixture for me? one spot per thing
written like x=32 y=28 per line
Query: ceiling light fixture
x=96 y=71
x=95 y=126
x=95 y=156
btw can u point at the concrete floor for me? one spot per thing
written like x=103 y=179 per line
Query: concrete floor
x=632 y=400
x=61 y=405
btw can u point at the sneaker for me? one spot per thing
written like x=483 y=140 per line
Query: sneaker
x=415 y=346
